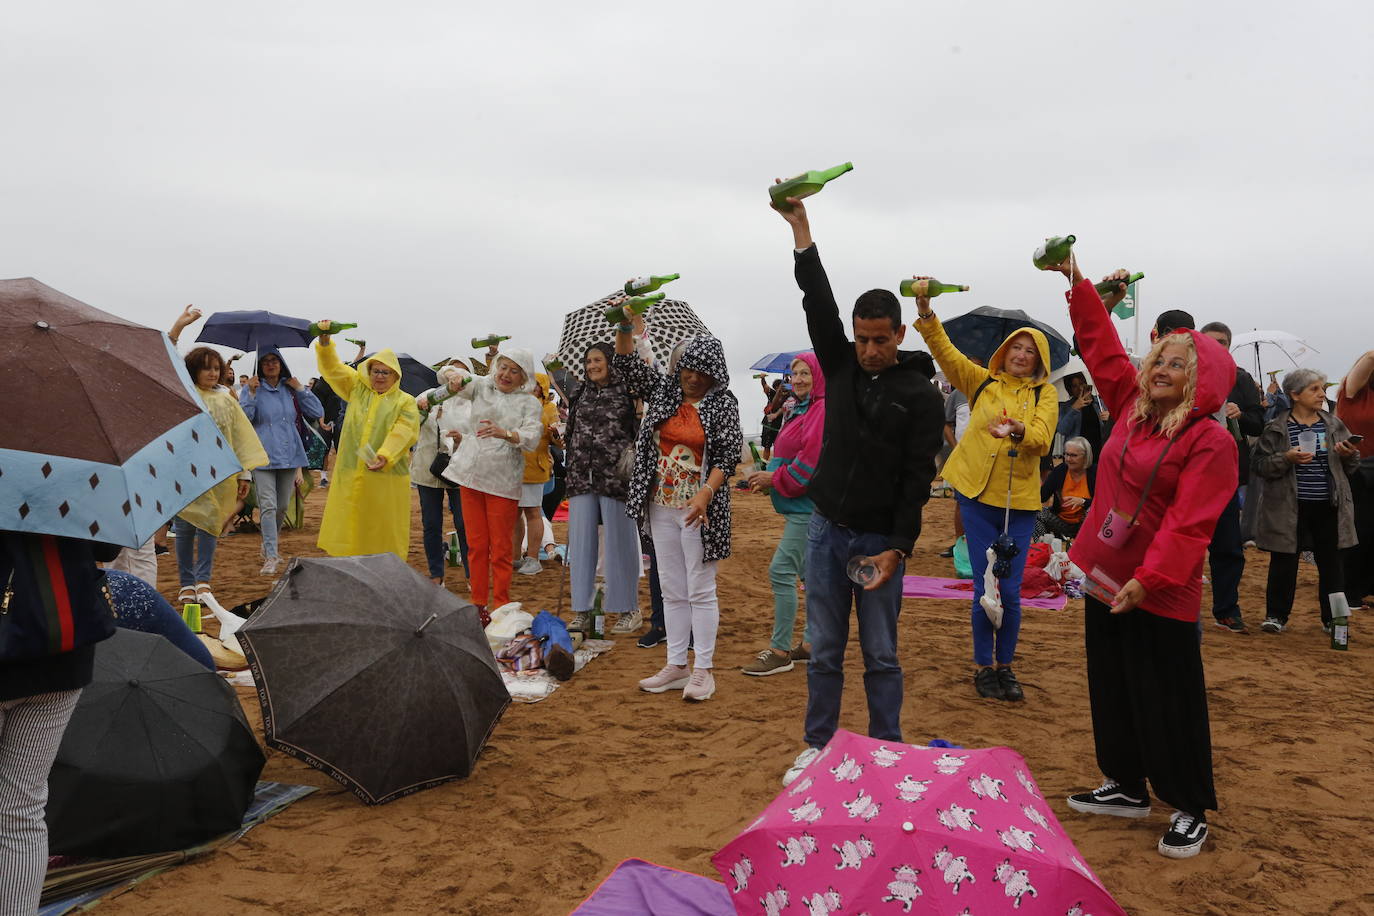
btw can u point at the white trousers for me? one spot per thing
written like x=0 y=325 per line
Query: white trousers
x=138 y=561
x=690 y=609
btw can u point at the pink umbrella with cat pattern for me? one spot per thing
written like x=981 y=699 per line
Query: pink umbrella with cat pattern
x=881 y=827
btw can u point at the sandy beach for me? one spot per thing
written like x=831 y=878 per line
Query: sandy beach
x=600 y=772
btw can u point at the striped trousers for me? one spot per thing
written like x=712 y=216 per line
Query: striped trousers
x=30 y=731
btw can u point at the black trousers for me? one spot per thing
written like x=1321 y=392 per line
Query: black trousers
x=1227 y=553
x=1317 y=530
x=1359 y=560
x=1149 y=704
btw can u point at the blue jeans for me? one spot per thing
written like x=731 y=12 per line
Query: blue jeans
x=982 y=526
x=275 y=488
x=432 y=521
x=195 y=553
x=829 y=594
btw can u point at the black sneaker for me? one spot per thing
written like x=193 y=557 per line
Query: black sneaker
x=1112 y=798
x=987 y=684
x=948 y=552
x=652 y=638
x=1011 y=687
x=1185 y=836
x=1234 y=624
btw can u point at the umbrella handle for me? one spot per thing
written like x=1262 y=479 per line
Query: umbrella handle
x=432 y=617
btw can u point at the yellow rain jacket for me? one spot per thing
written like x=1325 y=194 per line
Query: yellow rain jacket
x=979 y=465
x=368 y=511
x=539 y=460
x=212 y=508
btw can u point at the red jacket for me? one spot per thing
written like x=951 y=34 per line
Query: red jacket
x=1195 y=482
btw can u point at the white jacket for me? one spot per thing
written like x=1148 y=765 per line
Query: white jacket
x=491 y=465
x=440 y=420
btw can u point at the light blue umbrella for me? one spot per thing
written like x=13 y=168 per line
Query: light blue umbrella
x=104 y=437
x=777 y=362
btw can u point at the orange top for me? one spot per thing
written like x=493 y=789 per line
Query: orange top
x=1077 y=488
x=681 y=449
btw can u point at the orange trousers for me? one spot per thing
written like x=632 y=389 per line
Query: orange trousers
x=490 y=524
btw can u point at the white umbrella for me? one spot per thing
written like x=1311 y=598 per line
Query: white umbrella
x=1255 y=348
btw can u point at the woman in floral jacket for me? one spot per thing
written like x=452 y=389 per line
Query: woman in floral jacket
x=688 y=446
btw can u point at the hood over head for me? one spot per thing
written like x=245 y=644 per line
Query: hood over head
x=817 y=376
x=273 y=351
x=387 y=358
x=522 y=357
x=705 y=354
x=997 y=362
x=1216 y=373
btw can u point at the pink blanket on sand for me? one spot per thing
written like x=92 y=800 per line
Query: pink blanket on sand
x=962 y=589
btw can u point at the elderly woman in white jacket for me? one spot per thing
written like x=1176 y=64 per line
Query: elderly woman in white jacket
x=502 y=423
x=436 y=424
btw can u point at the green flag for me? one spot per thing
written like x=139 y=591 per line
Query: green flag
x=1127 y=306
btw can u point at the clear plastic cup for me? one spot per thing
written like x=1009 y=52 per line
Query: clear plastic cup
x=1307 y=441
x=861 y=570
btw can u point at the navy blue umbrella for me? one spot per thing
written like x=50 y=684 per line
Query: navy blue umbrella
x=980 y=332
x=253 y=329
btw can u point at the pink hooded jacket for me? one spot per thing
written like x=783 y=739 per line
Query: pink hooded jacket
x=798 y=446
x=1195 y=481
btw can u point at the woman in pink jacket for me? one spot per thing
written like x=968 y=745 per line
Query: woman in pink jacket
x=1168 y=471
x=795 y=453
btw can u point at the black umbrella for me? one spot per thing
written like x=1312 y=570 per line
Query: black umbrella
x=980 y=332
x=416 y=377
x=158 y=755
x=370 y=673
x=250 y=330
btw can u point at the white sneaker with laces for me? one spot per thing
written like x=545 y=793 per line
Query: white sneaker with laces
x=627 y=624
x=802 y=762
x=528 y=566
x=700 y=687
x=669 y=677
x=269 y=566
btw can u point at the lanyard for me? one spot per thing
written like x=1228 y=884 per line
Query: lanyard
x=1150 y=482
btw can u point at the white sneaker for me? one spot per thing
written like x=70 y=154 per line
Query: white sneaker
x=578 y=623
x=700 y=687
x=269 y=566
x=528 y=566
x=802 y=762
x=671 y=677
x=628 y=623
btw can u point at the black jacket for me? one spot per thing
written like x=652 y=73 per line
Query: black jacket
x=1055 y=482
x=1246 y=396
x=882 y=433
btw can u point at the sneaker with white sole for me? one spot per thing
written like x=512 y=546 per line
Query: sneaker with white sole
x=626 y=624
x=578 y=623
x=1185 y=836
x=269 y=566
x=701 y=686
x=1112 y=798
x=802 y=762
x=1272 y=625
x=528 y=566
x=767 y=662
x=670 y=677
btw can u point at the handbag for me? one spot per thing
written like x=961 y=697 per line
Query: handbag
x=53 y=602
x=440 y=462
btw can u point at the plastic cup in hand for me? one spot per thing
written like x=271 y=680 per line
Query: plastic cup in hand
x=1307 y=441
x=861 y=571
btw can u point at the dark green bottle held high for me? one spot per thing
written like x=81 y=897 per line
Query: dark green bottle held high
x=1106 y=287
x=931 y=288
x=804 y=185
x=334 y=327
x=491 y=340
x=1053 y=252
x=621 y=314
x=640 y=286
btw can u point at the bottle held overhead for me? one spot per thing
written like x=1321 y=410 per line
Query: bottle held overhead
x=1053 y=252
x=491 y=340
x=805 y=184
x=931 y=288
x=640 y=286
x=638 y=305
x=334 y=327
x=554 y=364
x=1106 y=287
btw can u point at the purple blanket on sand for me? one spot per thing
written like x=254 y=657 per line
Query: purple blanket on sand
x=962 y=590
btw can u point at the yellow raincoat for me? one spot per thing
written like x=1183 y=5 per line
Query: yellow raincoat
x=368 y=511
x=539 y=460
x=979 y=465
x=212 y=508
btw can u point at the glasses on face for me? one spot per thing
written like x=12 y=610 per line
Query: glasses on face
x=382 y=373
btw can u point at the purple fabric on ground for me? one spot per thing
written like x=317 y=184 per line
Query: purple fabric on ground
x=961 y=590
x=639 y=888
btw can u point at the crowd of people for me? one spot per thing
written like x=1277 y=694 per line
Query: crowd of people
x=1150 y=469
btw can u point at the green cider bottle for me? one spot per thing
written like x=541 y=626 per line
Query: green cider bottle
x=596 y=621
x=1053 y=252
x=639 y=286
x=758 y=457
x=805 y=184
x=931 y=288
x=334 y=327
x=621 y=314
x=1107 y=287
x=491 y=340
x=554 y=365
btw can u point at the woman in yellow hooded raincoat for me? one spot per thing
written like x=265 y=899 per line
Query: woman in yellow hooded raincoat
x=368 y=510
x=995 y=473
x=198 y=526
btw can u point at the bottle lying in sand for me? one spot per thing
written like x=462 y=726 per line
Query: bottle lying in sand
x=1053 y=252
x=1109 y=286
x=805 y=184
x=639 y=286
x=931 y=288
x=491 y=340
x=334 y=327
x=621 y=314
x=1340 y=621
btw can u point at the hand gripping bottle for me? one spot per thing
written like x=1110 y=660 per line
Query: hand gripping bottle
x=1053 y=252
x=641 y=286
x=805 y=184
x=931 y=288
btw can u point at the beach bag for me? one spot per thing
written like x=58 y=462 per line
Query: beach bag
x=441 y=460
x=523 y=653
x=963 y=568
x=52 y=602
x=552 y=628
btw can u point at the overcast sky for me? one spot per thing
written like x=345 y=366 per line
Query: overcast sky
x=435 y=171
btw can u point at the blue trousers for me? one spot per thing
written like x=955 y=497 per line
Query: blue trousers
x=195 y=553
x=587 y=512
x=432 y=520
x=983 y=525
x=829 y=596
x=275 y=488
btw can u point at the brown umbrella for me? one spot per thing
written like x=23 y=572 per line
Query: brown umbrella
x=103 y=436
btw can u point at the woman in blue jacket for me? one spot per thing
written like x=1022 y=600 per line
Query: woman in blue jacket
x=276 y=402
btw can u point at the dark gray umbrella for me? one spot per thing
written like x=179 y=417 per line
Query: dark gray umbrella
x=980 y=332
x=158 y=755
x=369 y=672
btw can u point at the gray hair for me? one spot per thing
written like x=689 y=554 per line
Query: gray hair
x=1085 y=445
x=1300 y=379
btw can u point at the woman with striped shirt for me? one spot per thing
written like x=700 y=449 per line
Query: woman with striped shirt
x=1303 y=459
